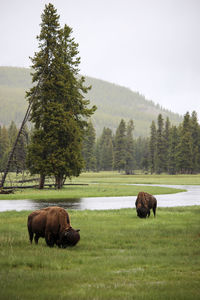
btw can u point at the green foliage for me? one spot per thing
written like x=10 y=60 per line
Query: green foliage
x=152 y=147
x=88 y=150
x=173 y=144
x=130 y=149
x=4 y=147
x=7 y=140
x=106 y=154
x=177 y=149
x=59 y=110
x=160 y=146
x=120 y=147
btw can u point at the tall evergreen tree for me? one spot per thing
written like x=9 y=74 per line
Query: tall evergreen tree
x=166 y=144
x=173 y=144
x=195 y=134
x=184 y=155
x=160 y=146
x=152 y=147
x=106 y=150
x=140 y=151
x=120 y=147
x=89 y=147
x=12 y=132
x=130 y=154
x=145 y=159
x=59 y=110
x=4 y=148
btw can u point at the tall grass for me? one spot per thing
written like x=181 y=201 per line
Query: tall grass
x=119 y=256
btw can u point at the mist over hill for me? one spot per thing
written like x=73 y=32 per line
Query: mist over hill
x=113 y=103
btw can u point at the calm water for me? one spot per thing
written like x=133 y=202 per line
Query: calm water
x=189 y=198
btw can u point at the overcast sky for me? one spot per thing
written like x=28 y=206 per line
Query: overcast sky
x=150 y=46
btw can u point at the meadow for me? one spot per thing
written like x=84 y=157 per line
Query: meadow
x=119 y=256
x=105 y=184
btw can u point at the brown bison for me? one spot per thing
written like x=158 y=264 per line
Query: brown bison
x=144 y=203
x=53 y=224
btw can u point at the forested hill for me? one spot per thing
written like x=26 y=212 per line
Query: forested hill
x=114 y=102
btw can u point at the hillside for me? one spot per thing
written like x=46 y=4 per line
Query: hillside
x=114 y=102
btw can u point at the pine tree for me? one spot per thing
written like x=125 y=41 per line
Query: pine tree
x=166 y=144
x=120 y=147
x=130 y=155
x=106 y=150
x=184 y=155
x=152 y=147
x=4 y=148
x=195 y=133
x=59 y=110
x=173 y=144
x=12 y=133
x=97 y=154
x=145 y=159
x=89 y=147
x=140 y=144
x=160 y=146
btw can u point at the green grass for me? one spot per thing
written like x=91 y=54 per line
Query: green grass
x=119 y=256
x=106 y=184
x=98 y=190
x=115 y=177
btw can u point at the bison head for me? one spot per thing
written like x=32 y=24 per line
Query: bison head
x=142 y=212
x=69 y=237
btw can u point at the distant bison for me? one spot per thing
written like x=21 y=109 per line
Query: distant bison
x=53 y=224
x=144 y=203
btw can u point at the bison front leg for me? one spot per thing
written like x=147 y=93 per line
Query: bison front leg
x=49 y=240
x=148 y=213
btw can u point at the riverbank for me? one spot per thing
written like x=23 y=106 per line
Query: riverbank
x=106 y=184
x=119 y=256
x=91 y=190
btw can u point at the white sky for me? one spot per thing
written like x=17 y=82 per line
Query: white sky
x=150 y=46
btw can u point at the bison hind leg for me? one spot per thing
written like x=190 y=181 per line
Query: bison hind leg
x=154 y=211
x=30 y=235
x=36 y=238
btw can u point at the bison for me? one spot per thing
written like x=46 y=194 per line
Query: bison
x=144 y=203
x=53 y=224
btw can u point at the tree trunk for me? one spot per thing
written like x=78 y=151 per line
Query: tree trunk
x=59 y=181
x=42 y=180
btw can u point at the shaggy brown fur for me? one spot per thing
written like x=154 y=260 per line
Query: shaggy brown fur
x=144 y=203
x=53 y=224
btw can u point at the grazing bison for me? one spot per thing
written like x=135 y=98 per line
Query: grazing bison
x=53 y=224
x=144 y=203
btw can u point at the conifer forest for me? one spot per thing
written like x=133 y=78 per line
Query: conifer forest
x=62 y=139
x=169 y=149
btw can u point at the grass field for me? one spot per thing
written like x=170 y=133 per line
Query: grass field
x=119 y=256
x=107 y=184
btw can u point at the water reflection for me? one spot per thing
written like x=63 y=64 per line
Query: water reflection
x=20 y=205
x=191 y=197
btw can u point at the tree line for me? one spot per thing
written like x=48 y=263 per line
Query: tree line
x=169 y=148
x=7 y=139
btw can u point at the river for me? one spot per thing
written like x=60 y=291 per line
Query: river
x=188 y=198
